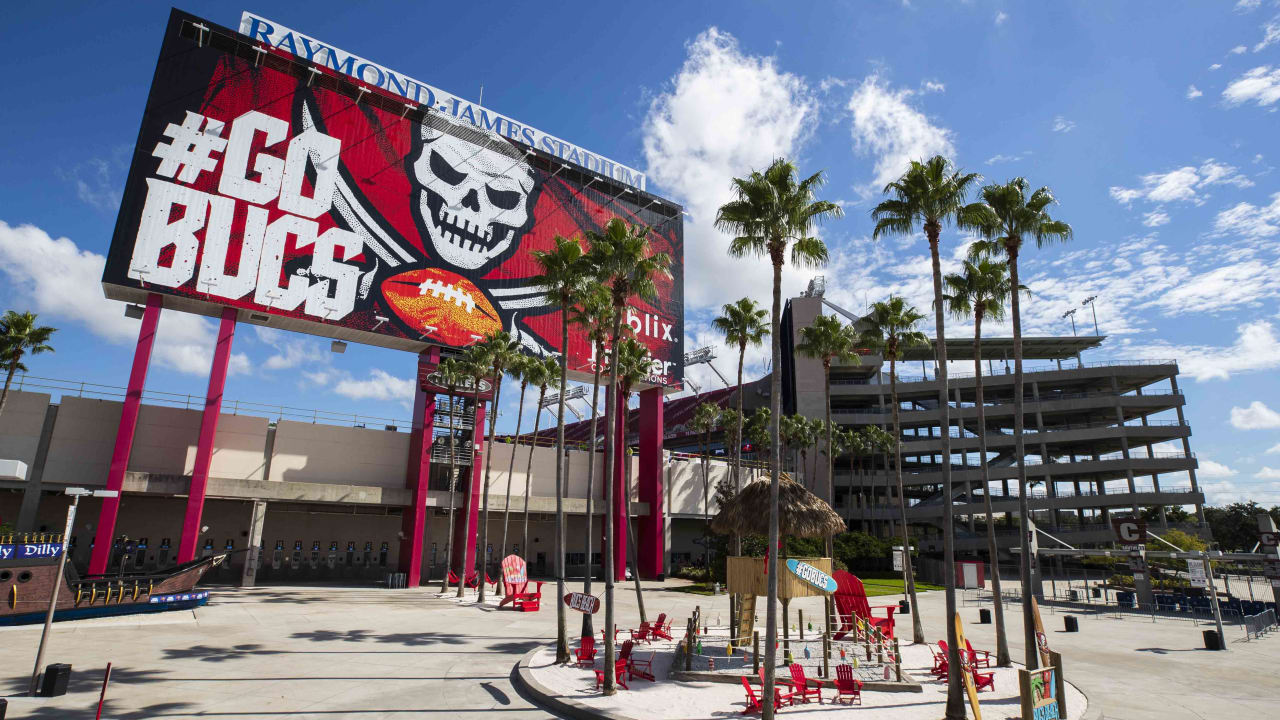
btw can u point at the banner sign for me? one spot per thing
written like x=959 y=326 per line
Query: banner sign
x=182 y=597
x=583 y=603
x=1038 y=690
x=25 y=551
x=812 y=575
x=316 y=203
x=312 y=50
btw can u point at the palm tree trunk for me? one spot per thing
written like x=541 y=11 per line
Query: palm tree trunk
x=8 y=380
x=737 y=451
x=528 y=468
x=631 y=526
x=466 y=510
x=511 y=469
x=587 y=626
x=775 y=479
x=1019 y=448
x=562 y=622
x=706 y=505
x=453 y=493
x=908 y=575
x=610 y=418
x=831 y=458
x=1002 y=640
x=482 y=559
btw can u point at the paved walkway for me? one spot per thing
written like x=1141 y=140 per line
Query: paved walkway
x=311 y=652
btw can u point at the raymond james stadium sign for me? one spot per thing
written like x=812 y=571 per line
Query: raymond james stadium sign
x=312 y=50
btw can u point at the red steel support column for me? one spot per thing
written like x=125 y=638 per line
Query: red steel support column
x=621 y=503
x=204 y=445
x=464 y=548
x=649 y=536
x=124 y=436
x=418 y=473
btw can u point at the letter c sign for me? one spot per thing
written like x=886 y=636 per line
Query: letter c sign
x=1130 y=531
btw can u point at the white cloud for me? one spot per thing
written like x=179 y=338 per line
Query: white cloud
x=719 y=118
x=1249 y=221
x=996 y=159
x=56 y=278
x=1247 y=5
x=887 y=126
x=95 y=183
x=1261 y=85
x=1001 y=16
x=1215 y=66
x=1268 y=473
x=1274 y=449
x=1238 y=284
x=292 y=350
x=1192 y=92
x=1155 y=218
x=1063 y=125
x=929 y=86
x=1255 y=417
x=380 y=385
x=1181 y=185
x=1270 y=34
x=1256 y=348
x=1239 y=50
x=1211 y=469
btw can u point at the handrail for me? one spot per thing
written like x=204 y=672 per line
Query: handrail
x=912 y=378
x=1050 y=397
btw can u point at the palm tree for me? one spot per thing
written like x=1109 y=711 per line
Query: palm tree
x=891 y=330
x=790 y=431
x=705 y=419
x=518 y=371
x=20 y=336
x=541 y=373
x=844 y=441
x=622 y=261
x=564 y=274
x=633 y=362
x=1010 y=216
x=594 y=314
x=473 y=369
x=451 y=375
x=743 y=324
x=500 y=350
x=770 y=213
x=930 y=194
x=981 y=291
x=829 y=340
x=876 y=441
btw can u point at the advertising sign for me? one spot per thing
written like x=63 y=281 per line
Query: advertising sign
x=316 y=202
x=1039 y=693
x=812 y=575
x=1129 y=531
x=583 y=603
x=25 y=551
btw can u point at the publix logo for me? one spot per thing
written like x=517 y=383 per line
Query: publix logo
x=812 y=575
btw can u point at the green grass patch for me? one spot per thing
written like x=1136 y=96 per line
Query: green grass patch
x=694 y=589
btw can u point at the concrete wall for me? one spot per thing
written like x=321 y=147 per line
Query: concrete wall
x=20 y=426
x=305 y=452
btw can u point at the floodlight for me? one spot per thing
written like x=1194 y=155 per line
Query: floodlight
x=338 y=346
x=133 y=311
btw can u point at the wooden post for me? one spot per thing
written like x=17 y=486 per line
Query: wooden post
x=688 y=646
x=1059 y=682
x=786 y=627
x=897 y=659
x=800 y=620
x=755 y=652
x=866 y=638
x=826 y=655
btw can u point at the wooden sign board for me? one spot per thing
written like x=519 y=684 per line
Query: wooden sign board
x=969 y=688
x=812 y=575
x=1038 y=691
x=583 y=603
x=1042 y=640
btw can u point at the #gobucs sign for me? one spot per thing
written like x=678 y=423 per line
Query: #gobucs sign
x=812 y=575
x=329 y=205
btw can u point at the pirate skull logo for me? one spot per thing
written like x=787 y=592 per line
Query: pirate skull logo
x=473 y=199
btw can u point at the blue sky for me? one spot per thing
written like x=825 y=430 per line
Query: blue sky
x=1154 y=123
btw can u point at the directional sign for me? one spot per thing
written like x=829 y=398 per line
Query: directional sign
x=1130 y=531
x=583 y=603
x=812 y=575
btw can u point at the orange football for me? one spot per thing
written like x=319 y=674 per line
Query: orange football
x=444 y=306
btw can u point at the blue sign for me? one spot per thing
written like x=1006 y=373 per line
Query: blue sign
x=812 y=575
x=23 y=551
x=155 y=599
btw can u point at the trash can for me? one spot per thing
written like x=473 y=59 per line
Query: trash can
x=1070 y=623
x=1075 y=595
x=904 y=607
x=4 y=707
x=1096 y=591
x=984 y=616
x=56 y=678
x=1212 y=641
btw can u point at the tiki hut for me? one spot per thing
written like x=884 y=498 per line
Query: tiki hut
x=800 y=512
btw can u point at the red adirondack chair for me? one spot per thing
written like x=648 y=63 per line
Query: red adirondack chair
x=641 y=667
x=453 y=578
x=585 y=656
x=619 y=675
x=660 y=628
x=804 y=687
x=779 y=683
x=851 y=601
x=983 y=681
x=642 y=634
x=753 y=702
x=977 y=658
x=940 y=665
x=848 y=688
x=515 y=586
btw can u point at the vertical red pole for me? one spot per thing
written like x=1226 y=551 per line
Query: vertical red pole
x=208 y=429
x=650 y=536
x=418 y=474
x=124 y=436
x=464 y=546
x=621 y=503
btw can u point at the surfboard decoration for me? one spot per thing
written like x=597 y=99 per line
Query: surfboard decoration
x=812 y=575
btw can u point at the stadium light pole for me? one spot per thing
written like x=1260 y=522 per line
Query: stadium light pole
x=1071 y=314
x=1089 y=301
x=76 y=494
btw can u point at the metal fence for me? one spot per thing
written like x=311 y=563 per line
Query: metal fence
x=1255 y=626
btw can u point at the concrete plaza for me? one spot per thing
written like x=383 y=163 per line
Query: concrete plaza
x=319 y=652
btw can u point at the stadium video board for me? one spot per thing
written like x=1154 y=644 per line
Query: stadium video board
x=316 y=202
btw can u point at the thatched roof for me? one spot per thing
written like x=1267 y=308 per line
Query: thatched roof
x=800 y=512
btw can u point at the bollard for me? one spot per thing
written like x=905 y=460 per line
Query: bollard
x=755 y=652
x=897 y=660
x=688 y=645
x=800 y=617
x=826 y=654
